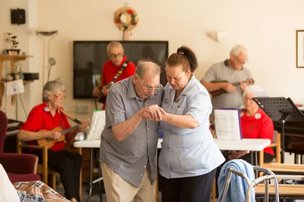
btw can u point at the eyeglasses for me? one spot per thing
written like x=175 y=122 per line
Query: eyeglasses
x=118 y=55
x=150 y=88
x=59 y=95
x=240 y=61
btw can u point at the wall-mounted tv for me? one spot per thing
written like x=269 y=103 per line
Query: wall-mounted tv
x=89 y=57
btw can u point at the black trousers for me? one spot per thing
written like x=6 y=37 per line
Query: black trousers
x=188 y=189
x=68 y=165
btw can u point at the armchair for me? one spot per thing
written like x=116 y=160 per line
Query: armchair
x=18 y=167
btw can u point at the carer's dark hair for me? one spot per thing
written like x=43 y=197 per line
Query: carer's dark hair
x=185 y=57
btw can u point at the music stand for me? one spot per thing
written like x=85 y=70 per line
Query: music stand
x=281 y=110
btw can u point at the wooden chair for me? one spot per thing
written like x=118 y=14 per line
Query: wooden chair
x=42 y=167
x=277 y=146
x=276 y=166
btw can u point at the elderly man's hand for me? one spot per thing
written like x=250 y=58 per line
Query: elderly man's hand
x=153 y=112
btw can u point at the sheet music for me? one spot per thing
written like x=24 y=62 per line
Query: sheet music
x=14 y=87
x=97 y=125
x=227 y=124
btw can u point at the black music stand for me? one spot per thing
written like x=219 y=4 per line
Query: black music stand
x=281 y=110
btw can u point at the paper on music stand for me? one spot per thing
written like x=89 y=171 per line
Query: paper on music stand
x=97 y=125
x=14 y=87
x=227 y=124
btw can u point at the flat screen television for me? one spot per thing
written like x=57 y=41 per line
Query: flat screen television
x=89 y=57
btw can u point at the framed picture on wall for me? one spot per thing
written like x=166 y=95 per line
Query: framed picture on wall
x=300 y=48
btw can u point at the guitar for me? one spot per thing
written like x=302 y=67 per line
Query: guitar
x=102 y=97
x=218 y=92
x=50 y=142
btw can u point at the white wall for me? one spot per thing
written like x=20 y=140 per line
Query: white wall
x=267 y=28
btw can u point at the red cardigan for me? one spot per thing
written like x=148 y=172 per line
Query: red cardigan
x=258 y=126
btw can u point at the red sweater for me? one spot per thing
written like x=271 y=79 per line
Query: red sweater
x=258 y=126
x=41 y=119
x=109 y=71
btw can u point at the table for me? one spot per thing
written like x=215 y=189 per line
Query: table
x=90 y=144
x=253 y=145
x=243 y=144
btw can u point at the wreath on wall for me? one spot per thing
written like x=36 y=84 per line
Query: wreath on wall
x=126 y=18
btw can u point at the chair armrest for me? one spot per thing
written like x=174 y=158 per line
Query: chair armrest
x=31 y=146
x=271 y=145
x=19 y=163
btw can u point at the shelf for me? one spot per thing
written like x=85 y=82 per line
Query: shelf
x=12 y=59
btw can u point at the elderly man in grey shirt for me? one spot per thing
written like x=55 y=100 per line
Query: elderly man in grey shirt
x=227 y=80
x=128 y=148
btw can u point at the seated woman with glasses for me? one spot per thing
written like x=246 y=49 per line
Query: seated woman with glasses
x=115 y=69
x=255 y=123
x=44 y=124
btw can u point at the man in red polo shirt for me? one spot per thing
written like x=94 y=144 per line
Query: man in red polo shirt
x=115 y=69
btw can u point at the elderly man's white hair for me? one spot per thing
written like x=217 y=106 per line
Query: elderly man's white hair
x=256 y=90
x=236 y=50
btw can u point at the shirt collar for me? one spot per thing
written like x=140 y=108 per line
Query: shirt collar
x=131 y=89
x=188 y=86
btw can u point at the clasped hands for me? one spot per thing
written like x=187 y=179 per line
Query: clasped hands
x=153 y=112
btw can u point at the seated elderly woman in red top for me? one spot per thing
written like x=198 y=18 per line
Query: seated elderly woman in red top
x=44 y=126
x=255 y=123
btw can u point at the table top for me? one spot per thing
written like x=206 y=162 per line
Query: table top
x=243 y=144
x=87 y=144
